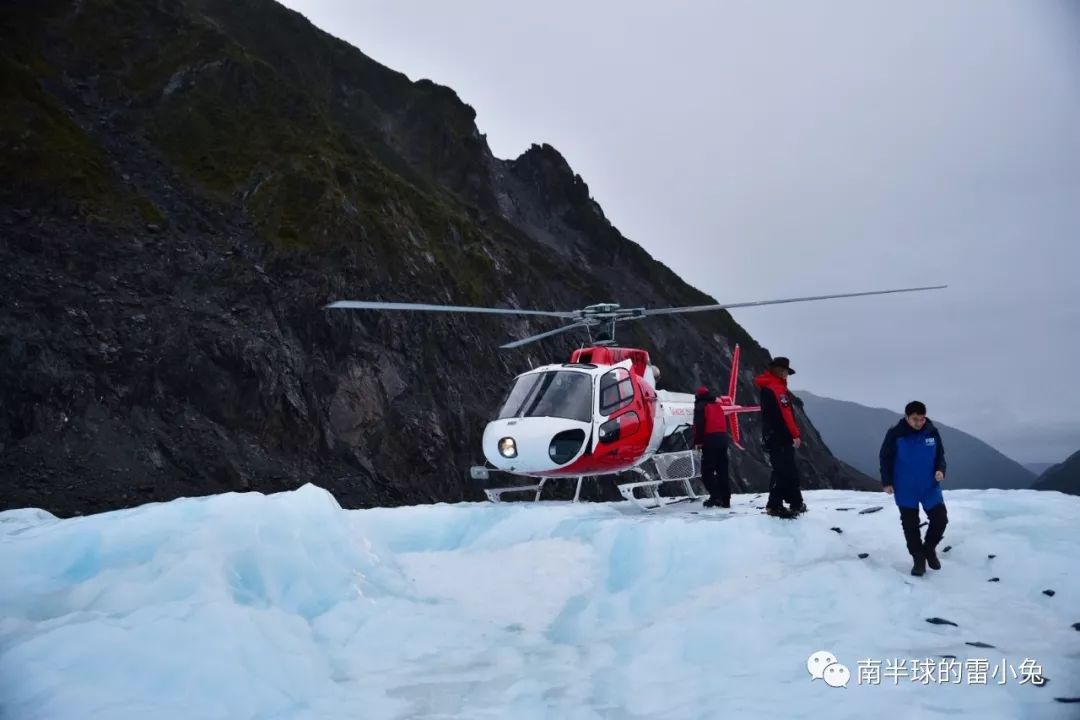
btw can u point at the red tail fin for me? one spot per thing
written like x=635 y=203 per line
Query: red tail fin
x=733 y=382
x=736 y=436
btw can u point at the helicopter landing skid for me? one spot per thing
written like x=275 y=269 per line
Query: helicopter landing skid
x=672 y=467
x=495 y=494
x=678 y=467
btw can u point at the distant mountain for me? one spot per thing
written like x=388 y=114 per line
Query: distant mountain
x=1064 y=477
x=854 y=433
x=1039 y=467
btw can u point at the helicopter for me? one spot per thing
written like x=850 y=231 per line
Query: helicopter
x=600 y=413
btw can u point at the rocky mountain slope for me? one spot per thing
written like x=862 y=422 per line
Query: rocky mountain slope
x=854 y=432
x=1063 y=477
x=185 y=183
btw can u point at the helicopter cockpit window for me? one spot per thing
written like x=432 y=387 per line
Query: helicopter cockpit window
x=557 y=393
x=616 y=391
x=517 y=396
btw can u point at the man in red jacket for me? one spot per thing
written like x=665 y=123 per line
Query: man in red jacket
x=710 y=434
x=781 y=438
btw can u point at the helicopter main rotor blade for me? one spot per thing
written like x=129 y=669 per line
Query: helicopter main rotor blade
x=541 y=336
x=372 y=305
x=726 y=306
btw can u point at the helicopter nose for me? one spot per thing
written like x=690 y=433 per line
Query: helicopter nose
x=533 y=445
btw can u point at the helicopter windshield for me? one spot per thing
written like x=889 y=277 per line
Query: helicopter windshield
x=557 y=393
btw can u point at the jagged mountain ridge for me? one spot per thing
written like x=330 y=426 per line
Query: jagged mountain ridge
x=185 y=183
x=855 y=432
x=1063 y=477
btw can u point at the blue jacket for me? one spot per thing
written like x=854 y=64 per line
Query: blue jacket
x=909 y=459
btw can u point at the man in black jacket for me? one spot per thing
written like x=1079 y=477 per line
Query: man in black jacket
x=781 y=438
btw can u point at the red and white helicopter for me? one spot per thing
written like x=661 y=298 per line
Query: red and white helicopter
x=600 y=413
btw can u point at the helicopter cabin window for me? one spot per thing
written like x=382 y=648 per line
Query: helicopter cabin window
x=557 y=393
x=616 y=391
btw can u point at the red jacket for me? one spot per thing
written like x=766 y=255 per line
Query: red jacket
x=709 y=417
x=776 y=414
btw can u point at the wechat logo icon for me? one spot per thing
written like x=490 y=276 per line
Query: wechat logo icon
x=822 y=665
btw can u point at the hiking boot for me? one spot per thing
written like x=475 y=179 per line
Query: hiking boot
x=799 y=510
x=931 y=558
x=780 y=512
x=711 y=502
x=919 y=566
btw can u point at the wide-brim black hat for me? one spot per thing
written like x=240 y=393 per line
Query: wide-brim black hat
x=782 y=362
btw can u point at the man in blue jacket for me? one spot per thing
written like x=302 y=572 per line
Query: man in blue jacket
x=912 y=468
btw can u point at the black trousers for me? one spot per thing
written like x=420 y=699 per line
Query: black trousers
x=909 y=520
x=784 y=484
x=714 y=467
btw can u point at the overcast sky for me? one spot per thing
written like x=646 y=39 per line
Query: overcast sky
x=780 y=149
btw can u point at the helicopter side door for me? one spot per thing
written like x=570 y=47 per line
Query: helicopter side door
x=625 y=414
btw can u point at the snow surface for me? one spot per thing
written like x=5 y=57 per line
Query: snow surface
x=286 y=606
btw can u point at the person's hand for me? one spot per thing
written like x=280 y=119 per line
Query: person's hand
x=797 y=443
x=939 y=476
x=888 y=489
